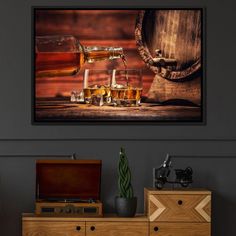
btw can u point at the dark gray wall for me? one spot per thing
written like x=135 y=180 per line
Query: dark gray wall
x=209 y=149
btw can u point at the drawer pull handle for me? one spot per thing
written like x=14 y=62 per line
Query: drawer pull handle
x=156 y=228
x=92 y=228
x=78 y=228
x=180 y=202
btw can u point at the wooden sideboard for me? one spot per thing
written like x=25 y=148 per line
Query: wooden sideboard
x=167 y=213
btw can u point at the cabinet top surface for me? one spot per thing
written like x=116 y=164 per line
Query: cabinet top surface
x=108 y=217
x=177 y=191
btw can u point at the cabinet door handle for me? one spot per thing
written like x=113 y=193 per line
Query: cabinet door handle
x=92 y=228
x=180 y=202
x=78 y=228
x=156 y=228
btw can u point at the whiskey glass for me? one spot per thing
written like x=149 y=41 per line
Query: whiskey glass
x=96 y=87
x=126 y=87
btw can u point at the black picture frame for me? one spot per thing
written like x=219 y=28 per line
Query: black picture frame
x=202 y=118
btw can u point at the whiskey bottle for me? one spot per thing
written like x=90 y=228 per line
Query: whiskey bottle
x=64 y=55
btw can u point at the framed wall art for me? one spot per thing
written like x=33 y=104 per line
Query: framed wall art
x=122 y=65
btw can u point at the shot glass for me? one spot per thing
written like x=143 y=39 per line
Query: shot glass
x=96 y=87
x=126 y=87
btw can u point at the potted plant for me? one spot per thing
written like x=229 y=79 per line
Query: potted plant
x=125 y=203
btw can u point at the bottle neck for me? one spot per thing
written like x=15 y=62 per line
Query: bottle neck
x=95 y=53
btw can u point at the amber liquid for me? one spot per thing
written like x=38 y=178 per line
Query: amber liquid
x=99 y=55
x=125 y=66
x=103 y=91
x=89 y=92
x=50 y=64
x=126 y=93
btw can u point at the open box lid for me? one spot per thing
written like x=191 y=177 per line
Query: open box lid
x=68 y=179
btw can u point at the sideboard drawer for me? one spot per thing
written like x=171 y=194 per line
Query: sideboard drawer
x=178 y=205
x=39 y=228
x=124 y=228
x=180 y=229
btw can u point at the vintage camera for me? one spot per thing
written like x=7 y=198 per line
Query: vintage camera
x=162 y=173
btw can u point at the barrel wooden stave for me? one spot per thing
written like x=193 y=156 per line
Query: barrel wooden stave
x=177 y=33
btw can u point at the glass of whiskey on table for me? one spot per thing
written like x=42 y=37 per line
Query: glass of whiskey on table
x=96 y=87
x=126 y=87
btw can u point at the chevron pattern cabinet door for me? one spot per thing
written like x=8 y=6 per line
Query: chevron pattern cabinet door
x=184 y=208
x=178 y=206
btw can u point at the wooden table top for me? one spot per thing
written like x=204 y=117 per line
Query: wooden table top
x=106 y=217
x=61 y=110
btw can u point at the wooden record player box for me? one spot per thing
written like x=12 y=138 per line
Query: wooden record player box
x=68 y=187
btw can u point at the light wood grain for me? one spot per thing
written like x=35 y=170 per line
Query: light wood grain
x=204 y=208
x=172 y=211
x=156 y=207
x=36 y=228
x=163 y=205
x=173 y=219
x=117 y=228
x=175 y=191
x=106 y=218
x=110 y=226
x=180 y=229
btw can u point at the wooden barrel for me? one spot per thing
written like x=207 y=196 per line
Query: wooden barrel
x=177 y=33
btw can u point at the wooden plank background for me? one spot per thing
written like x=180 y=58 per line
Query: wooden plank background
x=91 y=27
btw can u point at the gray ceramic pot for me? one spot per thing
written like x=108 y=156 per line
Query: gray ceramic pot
x=126 y=207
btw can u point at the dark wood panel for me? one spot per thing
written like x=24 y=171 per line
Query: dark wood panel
x=101 y=24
